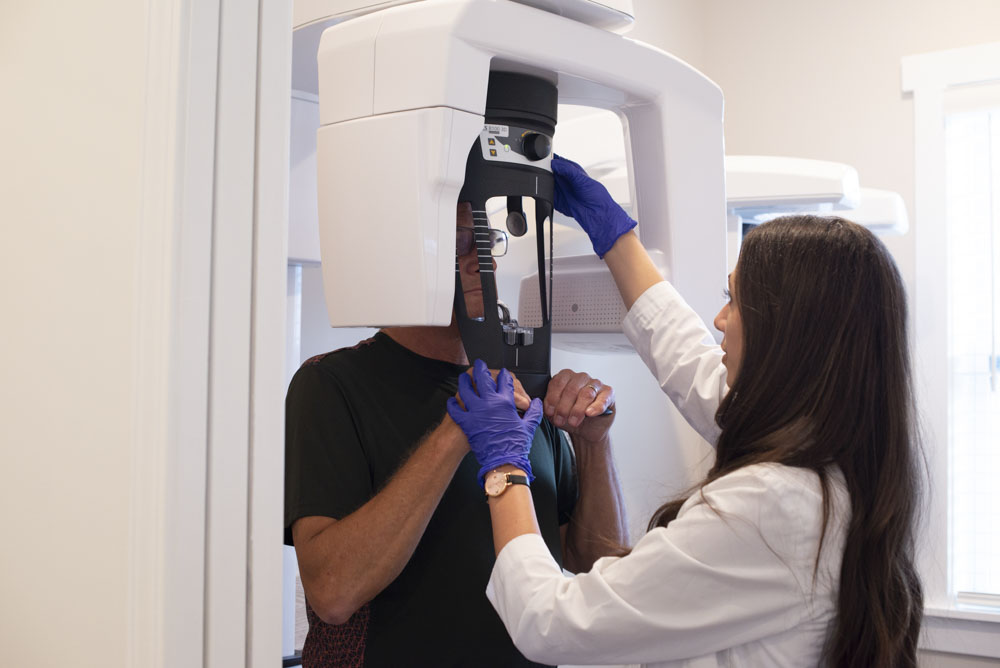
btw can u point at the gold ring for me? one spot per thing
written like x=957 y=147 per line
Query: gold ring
x=593 y=387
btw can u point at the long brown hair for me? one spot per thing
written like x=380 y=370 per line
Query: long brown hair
x=825 y=380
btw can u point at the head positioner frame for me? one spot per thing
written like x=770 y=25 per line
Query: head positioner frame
x=511 y=159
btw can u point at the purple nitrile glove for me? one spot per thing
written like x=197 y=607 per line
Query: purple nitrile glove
x=589 y=203
x=497 y=434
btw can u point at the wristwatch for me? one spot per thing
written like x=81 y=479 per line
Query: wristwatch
x=497 y=482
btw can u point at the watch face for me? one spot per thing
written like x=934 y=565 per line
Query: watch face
x=496 y=482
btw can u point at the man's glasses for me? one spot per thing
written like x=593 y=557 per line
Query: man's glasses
x=465 y=241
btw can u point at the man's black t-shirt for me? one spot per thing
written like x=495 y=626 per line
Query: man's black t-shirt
x=352 y=417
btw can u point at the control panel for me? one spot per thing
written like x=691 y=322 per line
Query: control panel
x=519 y=146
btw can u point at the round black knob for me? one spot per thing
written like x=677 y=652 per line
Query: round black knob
x=516 y=224
x=536 y=146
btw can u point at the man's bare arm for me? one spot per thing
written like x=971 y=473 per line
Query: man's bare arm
x=345 y=563
x=598 y=525
x=576 y=403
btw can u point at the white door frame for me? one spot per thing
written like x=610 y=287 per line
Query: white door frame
x=205 y=563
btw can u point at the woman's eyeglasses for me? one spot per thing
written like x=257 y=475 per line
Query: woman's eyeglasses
x=465 y=241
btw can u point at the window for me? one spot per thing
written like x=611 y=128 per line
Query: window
x=972 y=188
x=956 y=97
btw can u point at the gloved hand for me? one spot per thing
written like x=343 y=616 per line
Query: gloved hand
x=589 y=203
x=497 y=434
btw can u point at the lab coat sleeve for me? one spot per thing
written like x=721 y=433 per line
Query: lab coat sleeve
x=711 y=580
x=680 y=351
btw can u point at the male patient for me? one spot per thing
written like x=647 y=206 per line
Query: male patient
x=385 y=510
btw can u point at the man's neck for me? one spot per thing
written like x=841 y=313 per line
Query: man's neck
x=439 y=343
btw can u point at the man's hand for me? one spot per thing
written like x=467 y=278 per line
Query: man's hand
x=579 y=404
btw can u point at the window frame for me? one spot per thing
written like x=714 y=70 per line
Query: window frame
x=950 y=626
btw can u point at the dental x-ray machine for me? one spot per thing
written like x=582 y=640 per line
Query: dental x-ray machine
x=426 y=103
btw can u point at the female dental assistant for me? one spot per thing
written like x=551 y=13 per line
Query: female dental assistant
x=797 y=549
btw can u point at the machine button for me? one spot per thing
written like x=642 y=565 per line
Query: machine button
x=493 y=152
x=536 y=146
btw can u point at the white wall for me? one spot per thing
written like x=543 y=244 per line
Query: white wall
x=143 y=251
x=71 y=125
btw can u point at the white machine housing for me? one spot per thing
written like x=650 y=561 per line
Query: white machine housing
x=759 y=187
x=763 y=184
x=402 y=93
x=311 y=17
x=881 y=211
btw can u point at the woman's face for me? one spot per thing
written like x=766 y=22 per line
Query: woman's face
x=728 y=322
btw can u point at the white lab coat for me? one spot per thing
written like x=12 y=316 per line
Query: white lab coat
x=730 y=582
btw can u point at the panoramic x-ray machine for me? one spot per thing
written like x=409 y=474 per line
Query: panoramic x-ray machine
x=403 y=90
x=404 y=110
